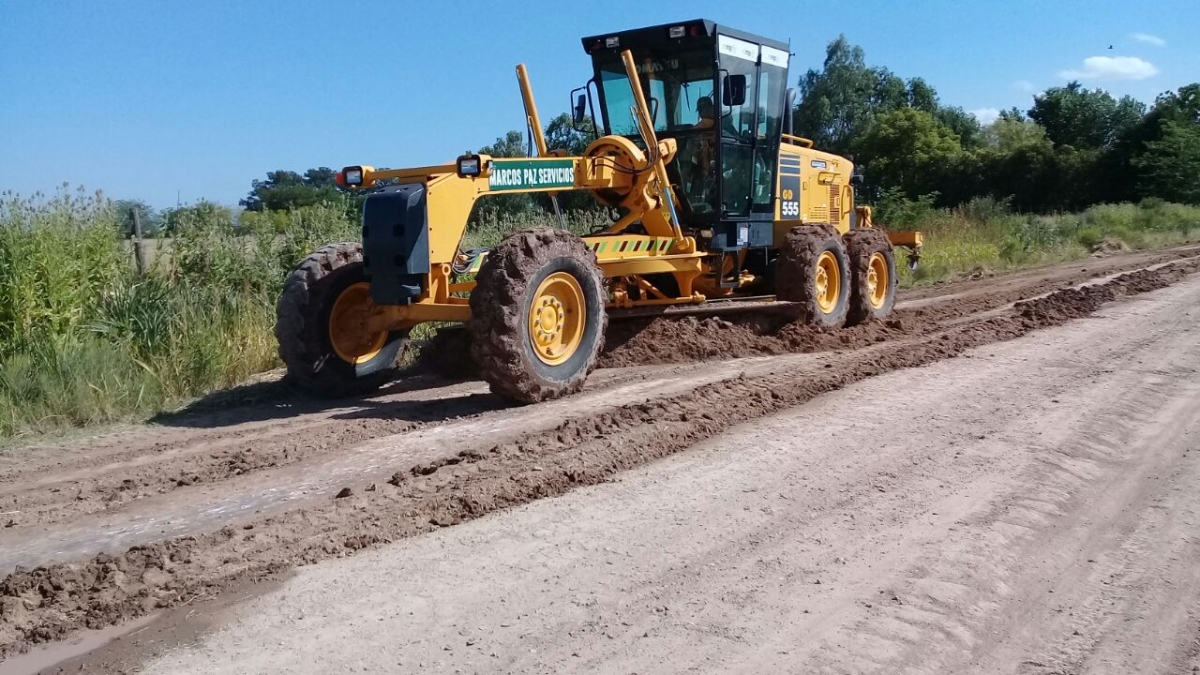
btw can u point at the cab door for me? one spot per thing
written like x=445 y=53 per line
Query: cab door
x=737 y=117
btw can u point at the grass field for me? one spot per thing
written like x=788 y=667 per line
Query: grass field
x=85 y=340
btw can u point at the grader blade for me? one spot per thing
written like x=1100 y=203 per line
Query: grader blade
x=766 y=304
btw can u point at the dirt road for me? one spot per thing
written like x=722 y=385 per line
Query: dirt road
x=1029 y=507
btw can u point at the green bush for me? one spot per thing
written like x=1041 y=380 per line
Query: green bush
x=1089 y=237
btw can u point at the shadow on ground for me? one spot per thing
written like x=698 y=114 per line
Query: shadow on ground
x=279 y=400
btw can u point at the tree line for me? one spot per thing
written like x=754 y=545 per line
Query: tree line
x=1074 y=147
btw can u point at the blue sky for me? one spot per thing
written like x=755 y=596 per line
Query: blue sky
x=167 y=101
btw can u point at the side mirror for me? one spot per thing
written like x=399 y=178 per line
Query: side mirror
x=733 y=90
x=577 y=113
x=856 y=179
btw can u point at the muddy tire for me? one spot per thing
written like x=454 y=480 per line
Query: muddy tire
x=302 y=327
x=813 y=271
x=872 y=275
x=527 y=334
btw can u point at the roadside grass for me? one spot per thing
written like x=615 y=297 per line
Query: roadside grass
x=984 y=236
x=85 y=340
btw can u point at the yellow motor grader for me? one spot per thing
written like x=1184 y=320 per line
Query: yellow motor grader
x=715 y=205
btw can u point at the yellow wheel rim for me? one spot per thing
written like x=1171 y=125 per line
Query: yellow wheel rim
x=828 y=282
x=348 y=325
x=878 y=281
x=556 y=318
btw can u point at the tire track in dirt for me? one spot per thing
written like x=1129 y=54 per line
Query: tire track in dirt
x=110 y=486
x=1086 y=578
x=165 y=466
x=48 y=602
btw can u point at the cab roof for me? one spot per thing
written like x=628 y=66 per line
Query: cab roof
x=696 y=29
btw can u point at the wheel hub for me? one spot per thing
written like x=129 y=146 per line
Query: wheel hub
x=550 y=320
x=877 y=280
x=556 y=318
x=348 y=334
x=827 y=283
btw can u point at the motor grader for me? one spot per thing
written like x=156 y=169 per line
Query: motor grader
x=715 y=205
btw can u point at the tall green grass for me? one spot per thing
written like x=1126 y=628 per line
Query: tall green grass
x=85 y=340
x=985 y=235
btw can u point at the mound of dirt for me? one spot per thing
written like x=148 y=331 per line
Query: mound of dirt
x=1109 y=246
x=688 y=339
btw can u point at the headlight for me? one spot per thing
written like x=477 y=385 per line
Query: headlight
x=353 y=176
x=468 y=167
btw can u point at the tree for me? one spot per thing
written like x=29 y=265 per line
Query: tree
x=1013 y=113
x=510 y=145
x=1169 y=166
x=922 y=96
x=963 y=123
x=840 y=102
x=288 y=190
x=1182 y=106
x=1008 y=133
x=146 y=213
x=1084 y=118
x=562 y=134
x=1125 y=165
x=910 y=150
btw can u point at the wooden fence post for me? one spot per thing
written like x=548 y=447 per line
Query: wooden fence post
x=139 y=250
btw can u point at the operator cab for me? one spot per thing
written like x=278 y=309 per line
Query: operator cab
x=720 y=94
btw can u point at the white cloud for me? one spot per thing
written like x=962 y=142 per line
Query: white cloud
x=1112 y=68
x=986 y=115
x=1149 y=39
x=1025 y=86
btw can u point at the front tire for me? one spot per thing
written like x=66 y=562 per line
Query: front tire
x=319 y=326
x=813 y=271
x=537 y=315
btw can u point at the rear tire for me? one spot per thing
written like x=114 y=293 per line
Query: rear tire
x=813 y=271
x=872 y=275
x=537 y=315
x=302 y=327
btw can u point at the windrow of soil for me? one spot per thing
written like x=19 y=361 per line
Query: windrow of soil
x=48 y=603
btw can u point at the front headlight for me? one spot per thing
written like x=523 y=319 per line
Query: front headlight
x=472 y=166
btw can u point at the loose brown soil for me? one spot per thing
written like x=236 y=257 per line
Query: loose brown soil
x=49 y=602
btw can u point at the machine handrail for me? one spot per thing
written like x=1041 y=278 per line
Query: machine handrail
x=798 y=140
